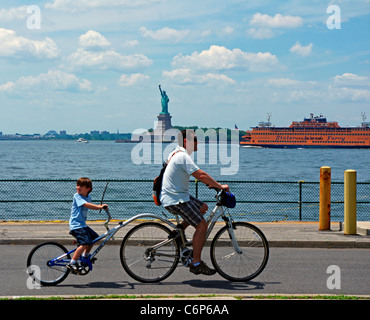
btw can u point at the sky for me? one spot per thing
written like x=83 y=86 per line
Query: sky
x=83 y=65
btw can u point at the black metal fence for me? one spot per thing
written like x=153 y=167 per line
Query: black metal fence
x=50 y=200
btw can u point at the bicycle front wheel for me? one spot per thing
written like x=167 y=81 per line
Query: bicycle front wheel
x=44 y=268
x=244 y=261
x=148 y=254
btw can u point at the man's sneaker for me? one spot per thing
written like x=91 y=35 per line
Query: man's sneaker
x=202 y=268
x=74 y=267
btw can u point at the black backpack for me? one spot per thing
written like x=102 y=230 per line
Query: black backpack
x=157 y=183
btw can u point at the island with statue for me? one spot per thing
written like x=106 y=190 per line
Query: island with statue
x=164 y=119
x=163 y=125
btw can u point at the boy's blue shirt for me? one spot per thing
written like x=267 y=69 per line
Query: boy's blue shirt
x=78 y=212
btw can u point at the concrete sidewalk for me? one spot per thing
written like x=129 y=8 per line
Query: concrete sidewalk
x=279 y=234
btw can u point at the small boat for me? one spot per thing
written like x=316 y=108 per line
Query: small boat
x=82 y=140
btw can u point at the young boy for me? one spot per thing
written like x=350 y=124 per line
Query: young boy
x=77 y=222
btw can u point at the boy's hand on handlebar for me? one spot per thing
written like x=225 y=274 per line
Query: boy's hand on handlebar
x=104 y=206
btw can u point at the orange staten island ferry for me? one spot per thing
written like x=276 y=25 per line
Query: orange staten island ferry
x=312 y=132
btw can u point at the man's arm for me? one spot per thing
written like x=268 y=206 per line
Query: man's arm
x=208 y=180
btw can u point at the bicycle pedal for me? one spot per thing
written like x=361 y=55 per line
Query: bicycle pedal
x=73 y=270
x=93 y=260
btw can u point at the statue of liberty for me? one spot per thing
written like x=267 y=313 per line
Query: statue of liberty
x=164 y=101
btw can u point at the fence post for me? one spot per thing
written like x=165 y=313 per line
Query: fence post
x=196 y=188
x=325 y=201
x=350 y=223
x=300 y=199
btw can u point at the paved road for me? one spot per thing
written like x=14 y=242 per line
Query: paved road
x=289 y=271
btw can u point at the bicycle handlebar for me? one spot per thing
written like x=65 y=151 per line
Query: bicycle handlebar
x=219 y=192
x=108 y=218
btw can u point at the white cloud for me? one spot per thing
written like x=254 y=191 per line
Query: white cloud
x=304 y=95
x=214 y=77
x=82 y=5
x=130 y=43
x=107 y=60
x=180 y=76
x=14 y=46
x=265 y=26
x=278 y=21
x=351 y=80
x=290 y=90
x=9 y=86
x=221 y=58
x=133 y=79
x=349 y=94
x=165 y=34
x=94 y=53
x=301 y=50
x=227 y=30
x=344 y=88
x=13 y=13
x=54 y=80
x=187 y=76
x=93 y=39
x=204 y=67
x=290 y=83
x=351 y=87
x=260 y=33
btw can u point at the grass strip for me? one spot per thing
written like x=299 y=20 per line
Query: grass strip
x=205 y=296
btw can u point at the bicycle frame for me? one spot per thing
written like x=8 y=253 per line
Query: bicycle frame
x=212 y=219
x=59 y=261
x=216 y=213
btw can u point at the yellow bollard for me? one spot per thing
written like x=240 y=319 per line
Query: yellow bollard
x=350 y=220
x=325 y=201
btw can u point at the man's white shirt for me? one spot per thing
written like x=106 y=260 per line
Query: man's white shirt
x=175 y=185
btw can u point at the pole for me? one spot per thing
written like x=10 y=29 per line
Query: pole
x=102 y=198
x=350 y=223
x=300 y=199
x=325 y=201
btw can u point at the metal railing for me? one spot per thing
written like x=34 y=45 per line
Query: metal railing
x=256 y=200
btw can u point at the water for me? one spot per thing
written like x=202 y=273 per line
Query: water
x=48 y=159
x=99 y=160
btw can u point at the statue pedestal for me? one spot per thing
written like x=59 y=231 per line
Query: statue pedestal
x=163 y=124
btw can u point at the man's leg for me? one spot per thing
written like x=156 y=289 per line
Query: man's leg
x=193 y=214
x=203 y=210
x=198 y=240
x=199 y=236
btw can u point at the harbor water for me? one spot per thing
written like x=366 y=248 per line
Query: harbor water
x=63 y=159
x=100 y=160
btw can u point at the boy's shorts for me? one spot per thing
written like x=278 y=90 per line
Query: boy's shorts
x=84 y=236
x=189 y=210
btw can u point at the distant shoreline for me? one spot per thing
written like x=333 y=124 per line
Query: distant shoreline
x=109 y=137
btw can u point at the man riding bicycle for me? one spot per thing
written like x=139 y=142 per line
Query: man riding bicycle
x=176 y=199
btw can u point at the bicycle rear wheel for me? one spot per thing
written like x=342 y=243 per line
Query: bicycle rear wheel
x=41 y=268
x=246 y=264
x=147 y=254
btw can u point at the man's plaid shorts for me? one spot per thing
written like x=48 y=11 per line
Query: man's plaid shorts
x=189 y=210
